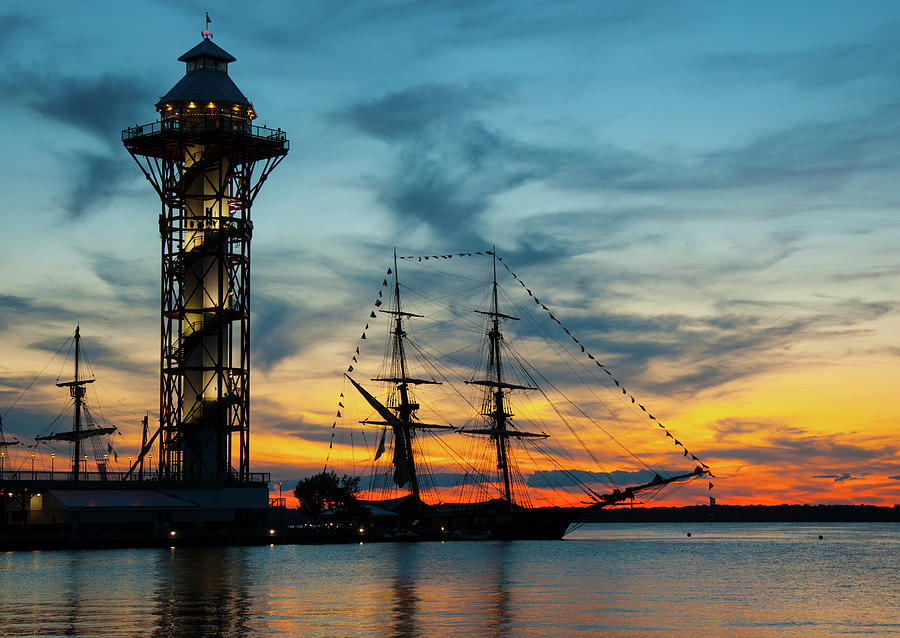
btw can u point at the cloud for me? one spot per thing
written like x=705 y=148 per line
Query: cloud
x=101 y=106
x=18 y=310
x=133 y=281
x=13 y=25
x=400 y=116
x=895 y=478
x=794 y=447
x=24 y=424
x=838 y=478
x=450 y=165
x=95 y=179
x=833 y=65
x=96 y=352
x=708 y=350
x=282 y=328
x=667 y=353
x=273 y=322
x=450 y=25
x=302 y=430
x=98 y=106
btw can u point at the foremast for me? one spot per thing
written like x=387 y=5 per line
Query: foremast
x=494 y=405
x=400 y=409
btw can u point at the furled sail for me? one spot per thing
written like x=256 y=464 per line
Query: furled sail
x=80 y=435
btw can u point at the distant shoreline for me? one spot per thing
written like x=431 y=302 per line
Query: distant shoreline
x=749 y=513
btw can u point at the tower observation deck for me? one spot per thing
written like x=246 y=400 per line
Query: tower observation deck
x=207 y=162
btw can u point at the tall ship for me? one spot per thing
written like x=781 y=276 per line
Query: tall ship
x=481 y=439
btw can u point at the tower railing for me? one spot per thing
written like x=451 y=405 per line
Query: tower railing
x=206 y=124
x=110 y=476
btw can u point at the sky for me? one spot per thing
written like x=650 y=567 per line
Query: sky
x=705 y=191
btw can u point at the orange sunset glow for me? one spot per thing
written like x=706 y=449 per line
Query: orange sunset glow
x=729 y=261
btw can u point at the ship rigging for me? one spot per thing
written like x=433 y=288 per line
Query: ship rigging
x=518 y=464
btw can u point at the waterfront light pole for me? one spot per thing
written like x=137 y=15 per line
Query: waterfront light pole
x=52 y=458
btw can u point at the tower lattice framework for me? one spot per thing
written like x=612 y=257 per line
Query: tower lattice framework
x=207 y=163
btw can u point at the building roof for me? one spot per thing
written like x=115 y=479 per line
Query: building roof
x=205 y=85
x=120 y=499
x=209 y=50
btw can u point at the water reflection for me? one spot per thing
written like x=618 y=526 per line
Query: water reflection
x=404 y=591
x=74 y=590
x=462 y=587
x=501 y=609
x=202 y=592
x=645 y=581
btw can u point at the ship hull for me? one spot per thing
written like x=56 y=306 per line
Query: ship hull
x=546 y=523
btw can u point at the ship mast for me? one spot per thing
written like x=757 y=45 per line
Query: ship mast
x=498 y=414
x=77 y=390
x=494 y=404
x=405 y=408
x=77 y=434
x=400 y=416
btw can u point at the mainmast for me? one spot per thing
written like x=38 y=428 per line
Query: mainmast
x=499 y=415
x=494 y=406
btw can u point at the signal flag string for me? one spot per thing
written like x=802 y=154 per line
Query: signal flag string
x=378 y=302
x=577 y=341
x=609 y=373
x=354 y=359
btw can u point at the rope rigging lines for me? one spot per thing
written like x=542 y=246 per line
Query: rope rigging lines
x=446 y=359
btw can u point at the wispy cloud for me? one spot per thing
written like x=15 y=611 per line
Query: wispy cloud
x=791 y=448
x=13 y=25
x=18 y=310
x=450 y=165
x=833 y=65
x=838 y=478
x=97 y=352
x=99 y=106
x=708 y=350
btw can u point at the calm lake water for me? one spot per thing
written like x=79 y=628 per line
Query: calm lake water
x=617 y=580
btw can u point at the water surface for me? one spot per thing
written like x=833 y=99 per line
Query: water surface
x=748 y=579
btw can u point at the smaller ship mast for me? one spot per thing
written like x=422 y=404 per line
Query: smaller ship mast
x=77 y=392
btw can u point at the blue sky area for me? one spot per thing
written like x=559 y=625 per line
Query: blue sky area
x=709 y=188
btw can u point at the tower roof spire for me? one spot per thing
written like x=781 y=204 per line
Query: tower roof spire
x=206 y=32
x=207 y=49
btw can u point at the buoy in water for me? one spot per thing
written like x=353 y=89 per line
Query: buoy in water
x=689 y=535
x=821 y=537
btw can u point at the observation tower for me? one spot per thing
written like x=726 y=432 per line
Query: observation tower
x=207 y=162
